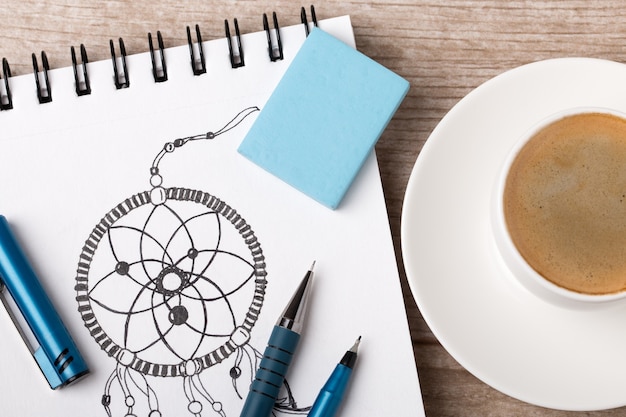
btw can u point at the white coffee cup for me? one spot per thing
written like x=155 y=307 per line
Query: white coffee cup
x=548 y=287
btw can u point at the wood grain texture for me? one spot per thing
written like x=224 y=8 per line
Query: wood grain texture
x=445 y=48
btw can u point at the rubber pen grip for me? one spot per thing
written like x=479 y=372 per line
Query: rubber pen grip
x=271 y=373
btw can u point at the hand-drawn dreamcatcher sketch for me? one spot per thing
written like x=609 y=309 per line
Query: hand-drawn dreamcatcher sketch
x=170 y=283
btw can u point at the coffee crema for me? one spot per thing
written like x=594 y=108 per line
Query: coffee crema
x=565 y=203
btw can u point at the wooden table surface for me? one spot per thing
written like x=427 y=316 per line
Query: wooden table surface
x=445 y=48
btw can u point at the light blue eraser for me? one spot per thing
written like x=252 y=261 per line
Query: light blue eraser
x=324 y=118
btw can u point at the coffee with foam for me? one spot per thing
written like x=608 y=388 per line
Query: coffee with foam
x=565 y=203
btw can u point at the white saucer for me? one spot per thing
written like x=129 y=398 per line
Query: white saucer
x=513 y=341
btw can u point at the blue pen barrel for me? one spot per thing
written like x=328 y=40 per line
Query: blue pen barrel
x=57 y=354
x=271 y=373
x=329 y=398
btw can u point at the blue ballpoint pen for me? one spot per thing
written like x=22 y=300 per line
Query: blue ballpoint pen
x=278 y=354
x=44 y=334
x=331 y=395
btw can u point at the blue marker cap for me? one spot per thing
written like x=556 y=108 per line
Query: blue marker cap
x=44 y=334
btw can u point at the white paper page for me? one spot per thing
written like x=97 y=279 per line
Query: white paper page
x=170 y=283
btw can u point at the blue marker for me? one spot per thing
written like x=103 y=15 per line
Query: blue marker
x=329 y=398
x=278 y=354
x=45 y=335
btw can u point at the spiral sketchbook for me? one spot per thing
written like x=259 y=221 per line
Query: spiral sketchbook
x=169 y=255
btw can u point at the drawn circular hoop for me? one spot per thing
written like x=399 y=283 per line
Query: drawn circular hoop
x=119 y=353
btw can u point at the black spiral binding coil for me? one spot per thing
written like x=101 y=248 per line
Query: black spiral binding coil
x=83 y=87
x=159 y=72
x=121 y=79
x=275 y=52
x=236 y=57
x=6 y=100
x=121 y=76
x=305 y=21
x=198 y=65
x=44 y=92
